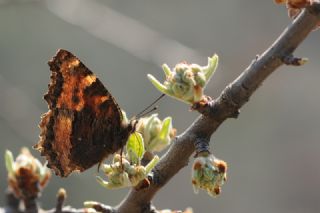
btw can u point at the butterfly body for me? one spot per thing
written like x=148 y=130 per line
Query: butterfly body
x=84 y=123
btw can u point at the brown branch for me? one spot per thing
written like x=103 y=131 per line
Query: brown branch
x=13 y=205
x=227 y=105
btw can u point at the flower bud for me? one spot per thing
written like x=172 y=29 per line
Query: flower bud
x=187 y=81
x=125 y=174
x=156 y=134
x=26 y=175
x=209 y=173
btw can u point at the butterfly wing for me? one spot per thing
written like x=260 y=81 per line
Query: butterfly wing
x=84 y=122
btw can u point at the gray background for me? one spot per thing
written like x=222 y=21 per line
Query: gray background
x=273 y=147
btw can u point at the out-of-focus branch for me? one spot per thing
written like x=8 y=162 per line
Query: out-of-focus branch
x=31 y=205
x=12 y=202
x=227 y=105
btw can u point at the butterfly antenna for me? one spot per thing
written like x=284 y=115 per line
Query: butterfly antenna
x=143 y=112
x=147 y=112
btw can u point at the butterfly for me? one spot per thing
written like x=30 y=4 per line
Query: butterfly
x=84 y=123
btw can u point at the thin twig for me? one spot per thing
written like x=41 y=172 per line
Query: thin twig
x=225 y=106
x=61 y=197
x=31 y=205
x=12 y=202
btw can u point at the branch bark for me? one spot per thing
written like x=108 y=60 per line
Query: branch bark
x=227 y=105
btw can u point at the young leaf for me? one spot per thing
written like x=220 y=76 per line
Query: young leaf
x=9 y=162
x=166 y=128
x=135 y=148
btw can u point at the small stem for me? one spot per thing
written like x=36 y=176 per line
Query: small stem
x=99 y=207
x=147 y=157
x=61 y=197
x=152 y=163
x=30 y=205
x=202 y=147
x=294 y=61
x=12 y=202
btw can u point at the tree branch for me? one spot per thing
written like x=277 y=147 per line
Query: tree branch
x=227 y=105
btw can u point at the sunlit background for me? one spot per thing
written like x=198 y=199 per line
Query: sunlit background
x=272 y=149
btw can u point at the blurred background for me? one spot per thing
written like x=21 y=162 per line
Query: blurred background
x=273 y=147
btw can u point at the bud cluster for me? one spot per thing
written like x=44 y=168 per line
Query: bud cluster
x=157 y=134
x=26 y=175
x=121 y=173
x=209 y=173
x=186 y=82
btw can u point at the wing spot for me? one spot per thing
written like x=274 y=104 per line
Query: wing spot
x=73 y=64
x=89 y=79
x=75 y=99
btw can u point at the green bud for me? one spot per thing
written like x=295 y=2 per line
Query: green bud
x=166 y=70
x=162 y=88
x=181 y=90
x=125 y=175
x=157 y=134
x=188 y=77
x=187 y=81
x=152 y=164
x=26 y=175
x=209 y=173
x=211 y=67
x=200 y=79
x=103 y=183
x=127 y=171
x=9 y=163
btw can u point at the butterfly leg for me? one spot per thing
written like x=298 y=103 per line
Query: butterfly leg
x=121 y=153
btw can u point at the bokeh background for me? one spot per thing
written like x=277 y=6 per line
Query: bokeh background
x=272 y=149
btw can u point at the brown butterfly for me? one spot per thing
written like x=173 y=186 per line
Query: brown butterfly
x=84 y=123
